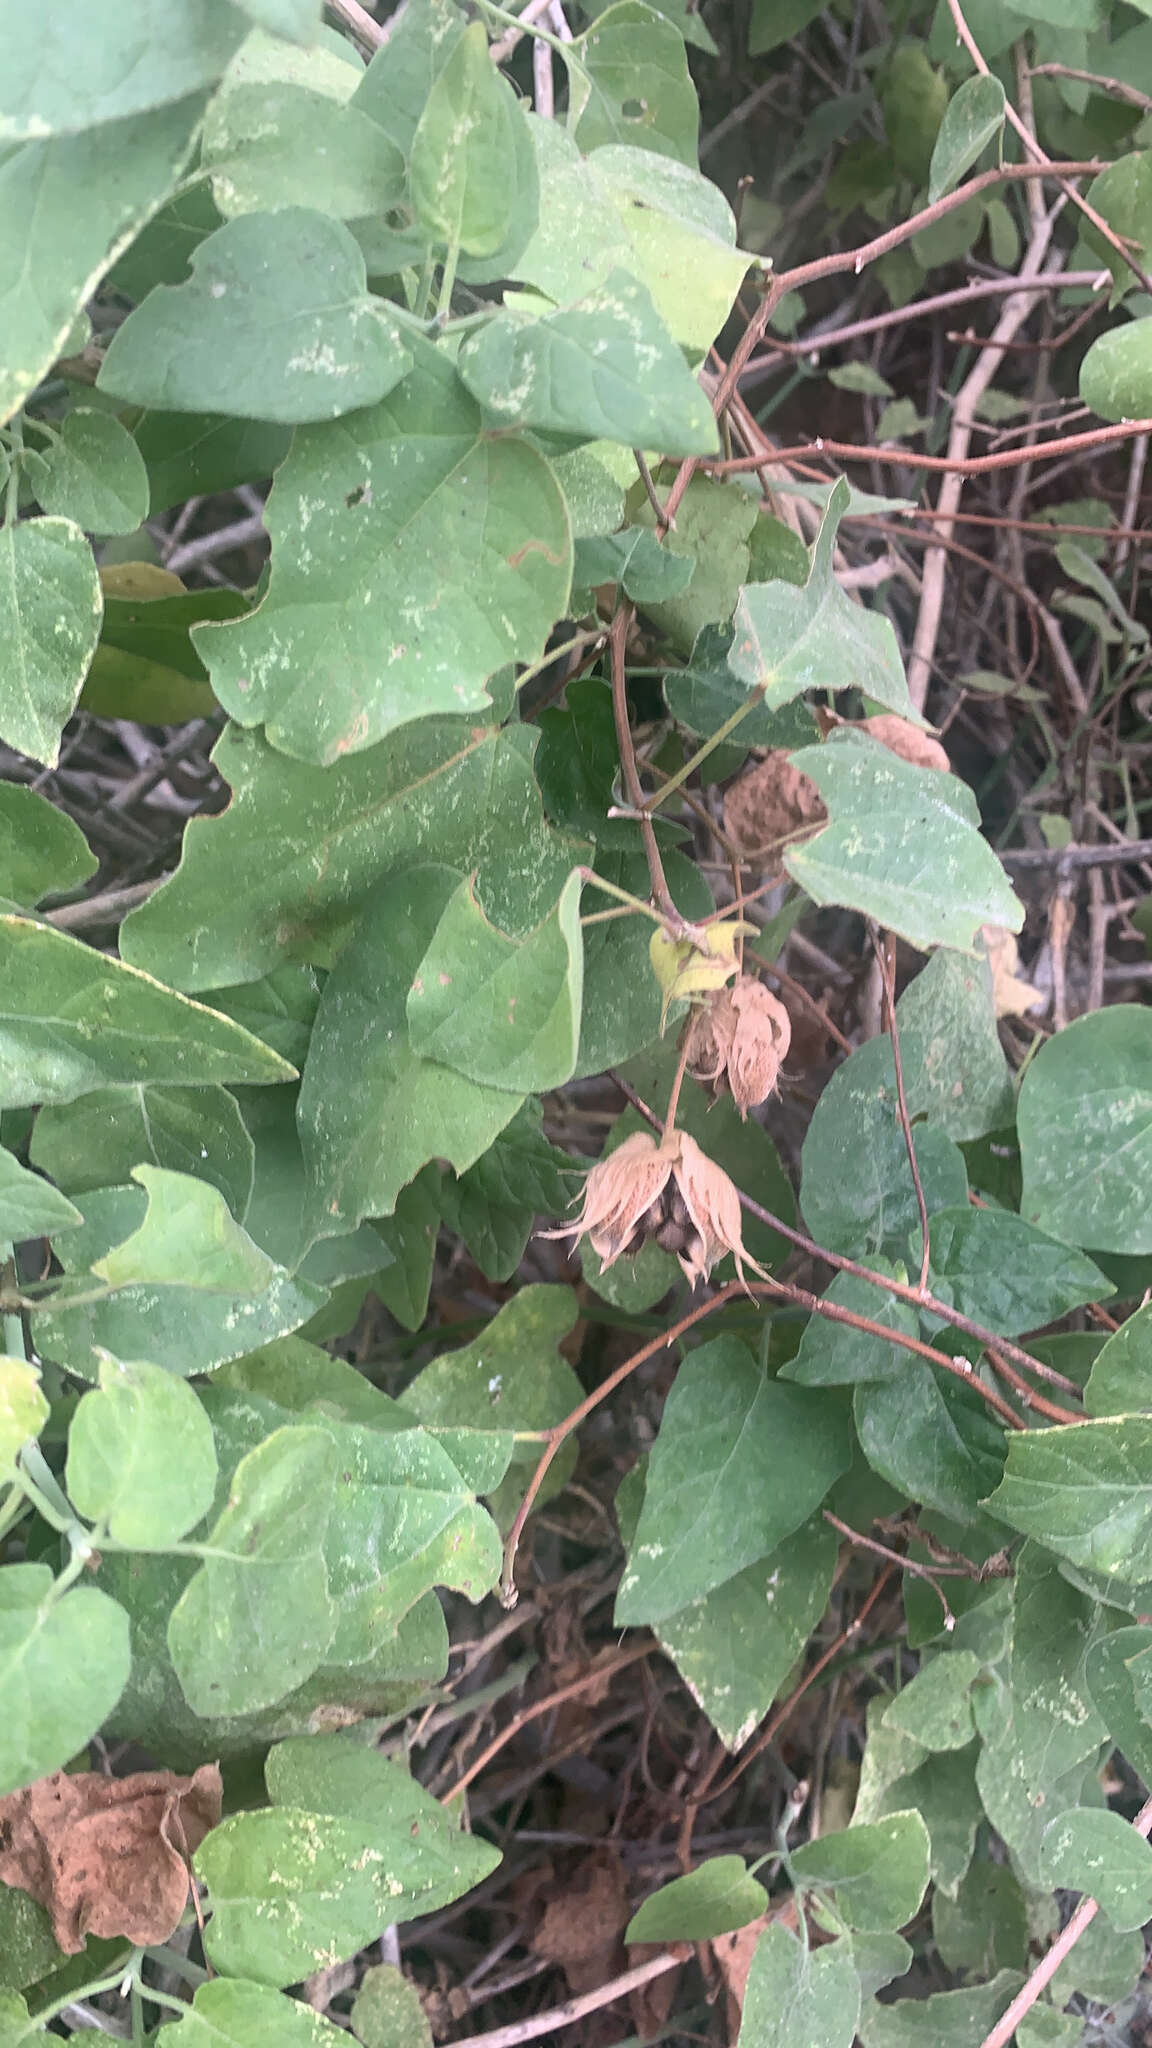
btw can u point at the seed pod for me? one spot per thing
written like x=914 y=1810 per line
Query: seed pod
x=759 y=1045
x=708 y=1038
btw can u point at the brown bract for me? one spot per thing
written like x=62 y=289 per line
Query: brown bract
x=740 y=1039
x=900 y=737
x=668 y=1191
x=108 y=1856
x=768 y=804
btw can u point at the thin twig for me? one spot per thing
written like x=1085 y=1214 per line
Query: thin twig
x=1115 y=86
x=884 y=954
x=633 y=789
x=1049 y=1963
x=975 y=465
x=902 y=1563
x=555 y=1699
x=573 y=2008
x=367 y=31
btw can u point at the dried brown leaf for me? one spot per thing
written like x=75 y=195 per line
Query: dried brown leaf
x=108 y=1856
x=1012 y=996
x=900 y=737
x=584 y=1919
x=767 y=804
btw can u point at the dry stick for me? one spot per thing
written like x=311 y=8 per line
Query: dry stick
x=356 y=19
x=902 y=1563
x=545 y=1706
x=900 y=1288
x=975 y=465
x=1041 y=158
x=1063 y=1945
x=573 y=2008
x=810 y=349
x=884 y=955
x=617 y=642
x=1115 y=86
x=1073 y=856
x=1012 y=317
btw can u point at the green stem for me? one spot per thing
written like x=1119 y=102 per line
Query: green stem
x=39 y=2021
x=526 y=28
x=12 y=495
x=448 y=281
x=634 y=903
x=751 y=702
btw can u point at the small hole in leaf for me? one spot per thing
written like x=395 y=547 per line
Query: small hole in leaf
x=634 y=110
x=362 y=495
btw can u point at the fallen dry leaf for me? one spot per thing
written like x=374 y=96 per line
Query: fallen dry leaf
x=108 y=1856
x=1012 y=996
x=900 y=737
x=734 y=1953
x=583 y=1921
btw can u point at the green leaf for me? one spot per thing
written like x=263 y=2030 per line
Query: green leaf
x=605 y=368
x=350 y=1844
x=1120 y=1381
x=1116 y=373
x=405 y=1516
x=1084 y=1491
x=69 y=204
x=271 y=143
x=636 y=561
x=408 y=1238
x=955 y=1070
x=27 y=1944
x=191 y=1330
x=279 y=1008
x=104 y=68
x=63 y=1664
x=315 y=846
x=703 y=696
x=621 y=994
x=933 y=1708
x=877 y=1873
x=1085 y=1129
x=503 y=1012
x=834 y=1354
x=197 y=454
x=100 y=1138
x=121 y=1471
x=1000 y=1271
x=1111 y=1673
x=146 y=665
x=932 y=1438
x=54 y=991
x=973 y=118
x=947 y=2019
x=788 y=640
x=396 y=85
x=735 y=1646
x=940 y=1787
x=42 y=850
x=274 y=323
x=458 y=169
x=29 y=1206
x=1056 y=1723
x=230 y=2014
x=1101 y=1854
x=1103 y=1965
x=359 y=632
x=901 y=845
x=795 y=1995
x=188 y=1238
x=856 y=1187
x=386 y=2011
x=50 y=606
x=629 y=78
x=985 y=1928
x=93 y=473
x=254 y=1622
x=714 y=530
x=23 y=1410
x=493 y=1206
x=739 y=1463
x=1043 y=2027
x=511 y=1377
x=629 y=209
x=1122 y=196
x=715 y=1898
x=370 y=1119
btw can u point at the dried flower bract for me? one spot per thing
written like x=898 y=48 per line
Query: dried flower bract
x=666 y=1191
x=740 y=1039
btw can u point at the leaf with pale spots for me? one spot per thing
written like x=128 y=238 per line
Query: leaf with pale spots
x=350 y=1845
x=50 y=611
x=605 y=368
x=361 y=629
x=275 y=323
